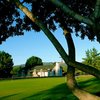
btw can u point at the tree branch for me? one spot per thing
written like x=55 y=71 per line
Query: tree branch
x=71 y=13
x=25 y=10
x=97 y=9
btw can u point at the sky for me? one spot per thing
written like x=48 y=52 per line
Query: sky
x=37 y=44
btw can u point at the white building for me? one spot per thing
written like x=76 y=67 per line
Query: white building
x=56 y=71
x=41 y=73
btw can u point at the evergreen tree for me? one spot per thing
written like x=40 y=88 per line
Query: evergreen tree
x=6 y=64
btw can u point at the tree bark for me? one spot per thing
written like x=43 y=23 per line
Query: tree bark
x=57 y=45
x=71 y=82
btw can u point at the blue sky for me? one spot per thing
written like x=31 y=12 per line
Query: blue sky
x=37 y=44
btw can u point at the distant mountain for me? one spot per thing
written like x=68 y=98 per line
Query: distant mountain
x=46 y=66
x=22 y=65
x=47 y=63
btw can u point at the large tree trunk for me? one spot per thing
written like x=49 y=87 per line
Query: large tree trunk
x=57 y=45
x=71 y=82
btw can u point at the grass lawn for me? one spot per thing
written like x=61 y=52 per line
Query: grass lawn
x=44 y=88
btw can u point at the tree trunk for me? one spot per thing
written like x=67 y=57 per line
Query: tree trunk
x=71 y=82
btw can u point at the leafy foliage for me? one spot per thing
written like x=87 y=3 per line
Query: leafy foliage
x=49 y=14
x=13 y=22
x=92 y=58
x=32 y=62
x=17 y=71
x=10 y=21
x=6 y=64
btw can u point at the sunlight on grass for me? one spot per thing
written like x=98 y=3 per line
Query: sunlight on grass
x=44 y=88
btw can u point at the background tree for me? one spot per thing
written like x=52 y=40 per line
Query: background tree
x=17 y=71
x=6 y=64
x=32 y=62
x=92 y=58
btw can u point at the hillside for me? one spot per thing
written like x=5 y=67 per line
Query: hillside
x=46 y=66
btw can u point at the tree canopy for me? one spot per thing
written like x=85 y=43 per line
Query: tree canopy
x=82 y=17
x=17 y=71
x=6 y=63
x=92 y=58
x=32 y=62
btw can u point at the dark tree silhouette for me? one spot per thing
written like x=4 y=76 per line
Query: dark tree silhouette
x=6 y=64
x=32 y=62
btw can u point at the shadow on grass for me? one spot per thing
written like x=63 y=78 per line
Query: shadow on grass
x=89 y=82
x=91 y=85
x=5 y=97
x=60 y=92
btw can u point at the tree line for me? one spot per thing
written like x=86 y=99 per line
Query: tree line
x=7 y=69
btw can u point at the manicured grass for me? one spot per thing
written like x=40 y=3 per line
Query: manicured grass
x=44 y=88
x=90 y=84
